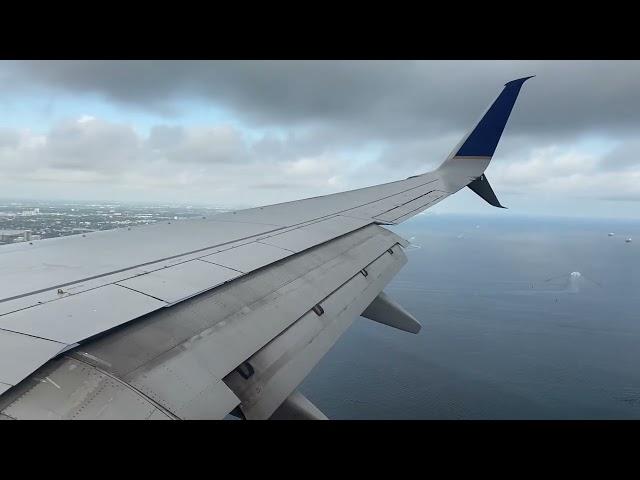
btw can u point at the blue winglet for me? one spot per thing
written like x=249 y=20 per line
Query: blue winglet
x=482 y=142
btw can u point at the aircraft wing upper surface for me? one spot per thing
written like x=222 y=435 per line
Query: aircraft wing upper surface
x=198 y=318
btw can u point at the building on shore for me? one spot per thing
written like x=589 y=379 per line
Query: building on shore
x=14 y=236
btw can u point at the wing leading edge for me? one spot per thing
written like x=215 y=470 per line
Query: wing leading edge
x=217 y=283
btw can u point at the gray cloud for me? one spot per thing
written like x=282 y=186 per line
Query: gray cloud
x=387 y=99
x=90 y=144
x=215 y=162
x=9 y=138
x=166 y=136
x=212 y=145
x=623 y=157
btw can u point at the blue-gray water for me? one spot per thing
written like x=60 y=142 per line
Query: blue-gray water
x=498 y=342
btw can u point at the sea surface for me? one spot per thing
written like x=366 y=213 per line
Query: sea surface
x=508 y=332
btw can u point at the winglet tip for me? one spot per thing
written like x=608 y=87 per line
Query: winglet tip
x=484 y=138
x=519 y=81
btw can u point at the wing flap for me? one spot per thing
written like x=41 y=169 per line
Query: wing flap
x=179 y=282
x=279 y=367
x=247 y=258
x=236 y=337
x=186 y=387
x=68 y=388
x=77 y=317
x=412 y=207
x=59 y=262
x=22 y=354
x=210 y=335
x=305 y=237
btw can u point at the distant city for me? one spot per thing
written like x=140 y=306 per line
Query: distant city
x=29 y=221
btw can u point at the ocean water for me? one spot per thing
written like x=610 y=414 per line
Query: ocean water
x=499 y=339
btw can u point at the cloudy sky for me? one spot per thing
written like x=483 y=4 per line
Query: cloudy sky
x=246 y=133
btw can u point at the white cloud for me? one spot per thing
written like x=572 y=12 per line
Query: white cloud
x=90 y=157
x=544 y=165
x=94 y=158
x=86 y=118
x=566 y=172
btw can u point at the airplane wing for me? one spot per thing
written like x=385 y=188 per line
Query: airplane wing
x=201 y=318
